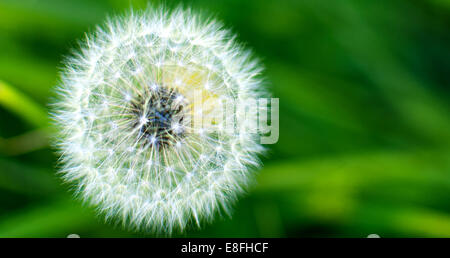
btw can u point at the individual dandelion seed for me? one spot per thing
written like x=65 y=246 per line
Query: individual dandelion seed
x=126 y=117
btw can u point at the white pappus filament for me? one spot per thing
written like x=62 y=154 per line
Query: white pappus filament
x=126 y=116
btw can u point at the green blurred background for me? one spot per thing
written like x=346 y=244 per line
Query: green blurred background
x=364 y=117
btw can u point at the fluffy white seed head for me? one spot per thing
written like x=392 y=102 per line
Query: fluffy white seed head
x=127 y=110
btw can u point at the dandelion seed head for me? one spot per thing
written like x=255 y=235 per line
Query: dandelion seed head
x=125 y=116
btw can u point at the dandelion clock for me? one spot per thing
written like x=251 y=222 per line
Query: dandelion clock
x=144 y=133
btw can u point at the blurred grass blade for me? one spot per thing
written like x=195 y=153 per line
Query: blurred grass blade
x=26 y=180
x=52 y=16
x=357 y=170
x=22 y=106
x=406 y=220
x=24 y=143
x=57 y=219
x=418 y=106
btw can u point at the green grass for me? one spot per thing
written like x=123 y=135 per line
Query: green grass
x=364 y=118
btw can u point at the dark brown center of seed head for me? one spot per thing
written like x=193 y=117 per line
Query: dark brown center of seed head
x=159 y=117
